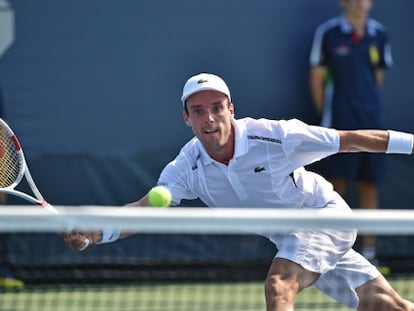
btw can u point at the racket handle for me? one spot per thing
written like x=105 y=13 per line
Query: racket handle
x=49 y=207
x=52 y=209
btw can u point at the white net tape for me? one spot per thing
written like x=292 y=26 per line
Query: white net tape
x=201 y=220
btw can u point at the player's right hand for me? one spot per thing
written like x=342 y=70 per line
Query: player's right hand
x=79 y=240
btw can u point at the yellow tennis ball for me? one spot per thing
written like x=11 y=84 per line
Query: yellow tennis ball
x=159 y=196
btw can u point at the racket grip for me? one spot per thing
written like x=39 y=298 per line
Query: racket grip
x=49 y=207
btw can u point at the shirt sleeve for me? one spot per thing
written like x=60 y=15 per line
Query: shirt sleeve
x=176 y=176
x=386 y=60
x=318 y=53
x=304 y=144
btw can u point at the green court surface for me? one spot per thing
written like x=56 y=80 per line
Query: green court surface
x=246 y=296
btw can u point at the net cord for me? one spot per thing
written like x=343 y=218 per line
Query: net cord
x=201 y=220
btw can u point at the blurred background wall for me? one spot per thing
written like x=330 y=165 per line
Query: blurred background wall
x=92 y=87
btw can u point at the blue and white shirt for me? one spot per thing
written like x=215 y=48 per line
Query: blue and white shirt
x=352 y=62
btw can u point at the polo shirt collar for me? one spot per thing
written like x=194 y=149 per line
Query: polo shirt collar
x=347 y=28
x=241 y=143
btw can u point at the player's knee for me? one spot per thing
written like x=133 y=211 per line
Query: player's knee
x=386 y=302
x=279 y=289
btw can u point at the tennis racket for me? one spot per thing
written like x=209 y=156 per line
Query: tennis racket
x=13 y=167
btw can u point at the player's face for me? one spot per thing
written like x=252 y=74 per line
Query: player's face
x=209 y=114
x=357 y=8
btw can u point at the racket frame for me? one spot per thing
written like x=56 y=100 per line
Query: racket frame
x=23 y=171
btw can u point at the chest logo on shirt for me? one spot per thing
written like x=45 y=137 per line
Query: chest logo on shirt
x=262 y=138
x=342 y=50
x=259 y=169
x=374 y=55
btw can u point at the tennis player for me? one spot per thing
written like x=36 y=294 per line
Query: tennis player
x=250 y=163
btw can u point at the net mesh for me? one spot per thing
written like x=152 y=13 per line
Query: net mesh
x=179 y=259
x=10 y=159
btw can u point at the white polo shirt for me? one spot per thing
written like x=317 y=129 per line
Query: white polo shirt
x=266 y=170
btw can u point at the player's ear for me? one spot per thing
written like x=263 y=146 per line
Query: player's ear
x=231 y=108
x=186 y=118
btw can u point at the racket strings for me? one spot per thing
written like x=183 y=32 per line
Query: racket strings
x=10 y=162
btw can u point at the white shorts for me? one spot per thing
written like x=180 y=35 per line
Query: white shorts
x=329 y=253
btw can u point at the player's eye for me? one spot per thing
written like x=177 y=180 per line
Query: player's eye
x=198 y=111
x=217 y=108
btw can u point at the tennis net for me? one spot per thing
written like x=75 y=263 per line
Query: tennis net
x=179 y=258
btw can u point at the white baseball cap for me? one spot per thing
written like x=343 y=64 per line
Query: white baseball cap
x=203 y=82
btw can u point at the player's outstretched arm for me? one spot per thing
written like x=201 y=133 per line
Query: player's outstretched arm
x=375 y=141
x=144 y=201
x=81 y=240
x=158 y=196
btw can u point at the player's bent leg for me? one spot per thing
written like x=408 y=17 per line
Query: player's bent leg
x=284 y=281
x=378 y=295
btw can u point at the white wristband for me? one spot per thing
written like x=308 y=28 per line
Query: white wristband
x=399 y=142
x=109 y=235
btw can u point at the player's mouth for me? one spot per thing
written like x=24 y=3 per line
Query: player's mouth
x=210 y=131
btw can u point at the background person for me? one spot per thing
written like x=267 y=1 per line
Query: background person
x=348 y=58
